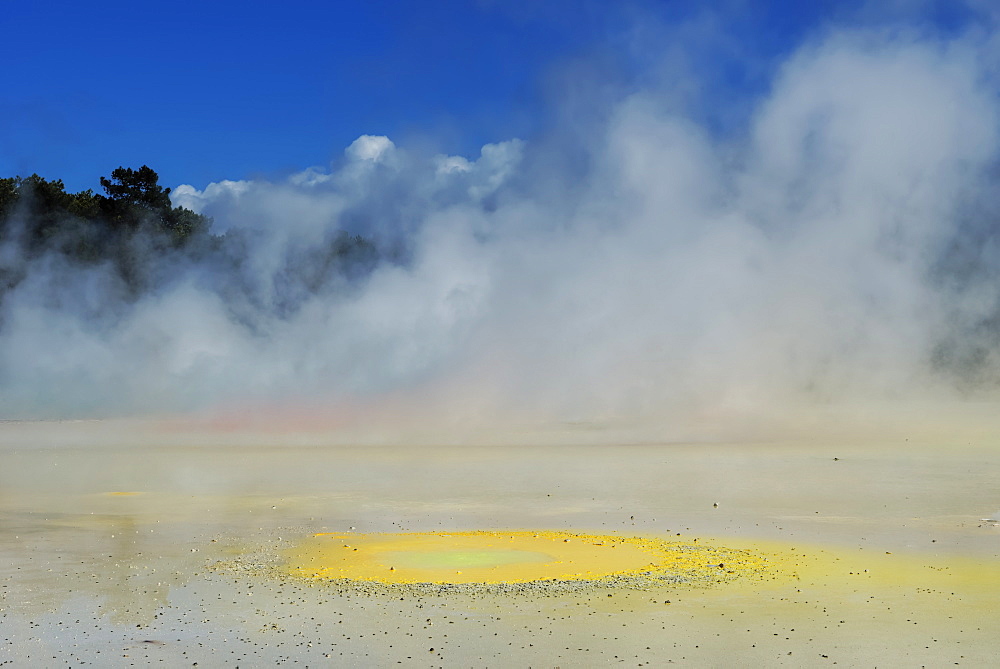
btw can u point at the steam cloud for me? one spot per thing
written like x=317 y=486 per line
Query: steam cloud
x=841 y=247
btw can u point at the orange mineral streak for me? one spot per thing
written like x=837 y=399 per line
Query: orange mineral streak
x=482 y=557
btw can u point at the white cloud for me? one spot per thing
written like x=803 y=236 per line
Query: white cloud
x=371 y=148
x=191 y=198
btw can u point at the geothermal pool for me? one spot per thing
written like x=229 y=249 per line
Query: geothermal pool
x=120 y=554
x=524 y=560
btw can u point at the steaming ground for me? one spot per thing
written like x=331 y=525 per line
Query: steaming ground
x=834 y=252
x=137 y=553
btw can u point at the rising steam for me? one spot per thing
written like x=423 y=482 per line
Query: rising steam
x=841 y=247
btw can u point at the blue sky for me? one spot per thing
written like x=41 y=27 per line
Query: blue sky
x=233 y=89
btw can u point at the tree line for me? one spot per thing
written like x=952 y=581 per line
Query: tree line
x=133 y=229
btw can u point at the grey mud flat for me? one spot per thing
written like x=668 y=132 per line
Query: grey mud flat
x=182 y=571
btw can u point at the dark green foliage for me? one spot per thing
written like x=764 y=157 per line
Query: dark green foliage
x=183 y=225
x=134 y=198
x=134 y=230
x=128 y=228
x=85 y=205
x=8 y=196
x=137 y=188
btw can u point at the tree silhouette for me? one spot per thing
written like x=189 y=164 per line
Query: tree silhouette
x=137 y=188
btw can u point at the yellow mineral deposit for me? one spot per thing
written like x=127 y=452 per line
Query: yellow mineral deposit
x=492 y=557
